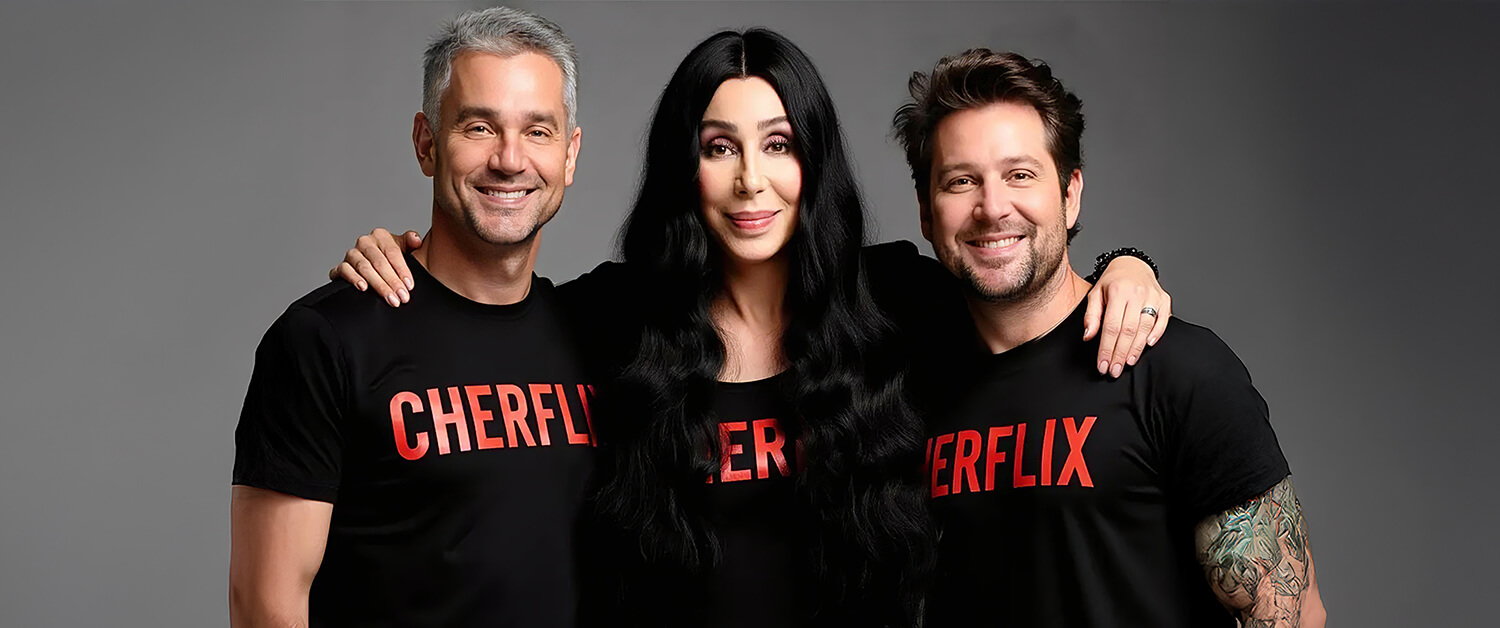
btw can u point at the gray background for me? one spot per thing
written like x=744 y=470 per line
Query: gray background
x=1313 y=179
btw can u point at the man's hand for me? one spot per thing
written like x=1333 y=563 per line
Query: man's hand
x=1256 y=558
x=376 y=262
x=1127 y=287
x=276 y=544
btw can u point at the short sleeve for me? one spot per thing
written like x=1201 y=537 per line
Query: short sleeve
x=1220 y=446
x=288 y=439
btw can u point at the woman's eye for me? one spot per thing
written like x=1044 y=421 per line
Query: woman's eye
x=718 y=150
x=779 y=147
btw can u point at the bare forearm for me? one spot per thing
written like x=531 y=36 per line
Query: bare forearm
x=1255 y=558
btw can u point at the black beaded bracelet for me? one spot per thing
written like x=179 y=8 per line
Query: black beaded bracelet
x=1101 y=262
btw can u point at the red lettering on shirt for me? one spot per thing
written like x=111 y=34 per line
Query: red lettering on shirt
x=1075 y=461
x=461 y=408
x=442 y=420
x=1018 y=478
x=587 y=418
x=1047 y=452
x=939 y=490
x=768 y=450
x=968 y=441
x=574 y=438
x=480 y=416
x=974 y=450
x=398 y=425
x=541 y=412
x=513 y=414
x=727 y=450
x=993 y=456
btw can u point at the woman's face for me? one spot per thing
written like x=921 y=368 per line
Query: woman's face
x=748 y=175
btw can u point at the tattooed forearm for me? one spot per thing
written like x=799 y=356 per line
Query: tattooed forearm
x=1255 y=558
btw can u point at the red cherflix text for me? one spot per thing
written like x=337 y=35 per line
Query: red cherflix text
x=957 y=462
x=529 y=416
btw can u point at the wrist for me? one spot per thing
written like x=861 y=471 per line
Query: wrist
x=1102 y=262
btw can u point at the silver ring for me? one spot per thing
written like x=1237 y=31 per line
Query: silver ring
x=1149 y=311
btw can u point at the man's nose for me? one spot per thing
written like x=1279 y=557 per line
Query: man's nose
x=994 y=203
x=508 y=157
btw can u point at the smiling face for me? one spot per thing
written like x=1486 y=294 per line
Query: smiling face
x=502 y=154
x=994 y=213
x=748 y=176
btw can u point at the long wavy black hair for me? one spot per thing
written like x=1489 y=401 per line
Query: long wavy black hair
x=861 y=441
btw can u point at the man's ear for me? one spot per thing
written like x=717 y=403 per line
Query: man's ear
x=924 y=214
x=574 y=143
x=1074 y=199
x=422 y=141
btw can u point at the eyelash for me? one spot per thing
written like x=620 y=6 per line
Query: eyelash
x=778 y=145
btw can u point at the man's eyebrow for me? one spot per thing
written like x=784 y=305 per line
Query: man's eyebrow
x=1015 y=160
x=1020 y=160
x=470 y=112
x=535 y=117
x=542 y=117
x=963 y=165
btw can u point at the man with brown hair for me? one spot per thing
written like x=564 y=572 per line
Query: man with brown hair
x=1068 y=498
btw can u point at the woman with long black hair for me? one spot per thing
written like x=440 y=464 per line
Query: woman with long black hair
x=763 y=466
x=758 y=327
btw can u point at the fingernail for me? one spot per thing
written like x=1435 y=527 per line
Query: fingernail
x=1130 y=360
x=1151 y=341
x=410 y=285
x=404 y=296
x=1103 y=366
x=362 y=285
x=1115 y=370
x=393 y=301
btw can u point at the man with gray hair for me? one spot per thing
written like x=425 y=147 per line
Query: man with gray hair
x=425 y=465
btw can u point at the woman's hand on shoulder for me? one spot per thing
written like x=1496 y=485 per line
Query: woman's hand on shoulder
x=377 y=262
x=1122 y=306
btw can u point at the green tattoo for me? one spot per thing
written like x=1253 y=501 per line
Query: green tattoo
x=1255 y=558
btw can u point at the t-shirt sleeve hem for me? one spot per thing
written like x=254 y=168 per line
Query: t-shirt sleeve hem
x=295 y=488
x=1258 y=485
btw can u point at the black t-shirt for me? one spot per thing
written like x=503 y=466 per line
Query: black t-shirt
x=762 y=524
x=454 y=439
x=1067 y=498
x=763 y=572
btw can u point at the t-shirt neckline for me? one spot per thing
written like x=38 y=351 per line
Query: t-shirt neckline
x=422 y=277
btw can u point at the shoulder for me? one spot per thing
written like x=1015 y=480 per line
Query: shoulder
x=900 y=259
x=1191 y=351
x=324 y=312
x=913 y=289
x=609 y=279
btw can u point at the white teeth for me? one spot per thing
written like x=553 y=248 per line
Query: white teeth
x=998 y=244
x=516 y=194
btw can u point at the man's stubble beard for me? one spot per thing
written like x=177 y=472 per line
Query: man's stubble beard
x=1036 y=272
x=476 y=227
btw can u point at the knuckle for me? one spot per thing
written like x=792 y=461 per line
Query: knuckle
x=380 y=231
x=1111 y=327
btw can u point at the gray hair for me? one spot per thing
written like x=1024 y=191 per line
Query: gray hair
x=501 y=31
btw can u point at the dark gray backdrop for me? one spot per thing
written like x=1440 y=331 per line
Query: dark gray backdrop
x=1313 y=180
